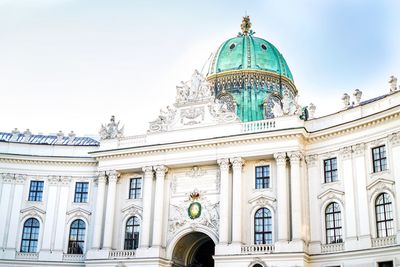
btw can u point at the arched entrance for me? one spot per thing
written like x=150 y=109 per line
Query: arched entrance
x=194 y=250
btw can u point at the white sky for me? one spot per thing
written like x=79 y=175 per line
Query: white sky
x=71 y=64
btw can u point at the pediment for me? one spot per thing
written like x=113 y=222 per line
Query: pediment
x=79 y=211
x=131 y=207
x=262 y=198
x=331 y=192
x=33 y=210
x=380 y=182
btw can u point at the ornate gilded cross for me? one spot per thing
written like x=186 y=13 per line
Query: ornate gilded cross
x=246 y=25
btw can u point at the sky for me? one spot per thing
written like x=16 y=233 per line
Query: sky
x=71 y=64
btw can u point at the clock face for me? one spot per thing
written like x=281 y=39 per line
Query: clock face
x=194 y=210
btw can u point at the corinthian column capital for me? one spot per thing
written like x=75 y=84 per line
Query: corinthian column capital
x=295 y=156
x=280 y=158
x=147 y=170
x=112 y=176
x=223 y=164
x=161 y=170
x=237 y=162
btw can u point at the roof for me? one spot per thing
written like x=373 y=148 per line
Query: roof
x=47 y=139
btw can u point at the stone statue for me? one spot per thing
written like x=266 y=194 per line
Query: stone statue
x=111 y=130
x=346 y=100
x=357 y=94
x=392 y=84
x=277 y=109
x=289 y=105
x=311 y=111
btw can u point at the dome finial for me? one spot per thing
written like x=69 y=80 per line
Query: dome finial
x=246 y=25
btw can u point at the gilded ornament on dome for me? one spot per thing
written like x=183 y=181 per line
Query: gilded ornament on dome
x=246 y=25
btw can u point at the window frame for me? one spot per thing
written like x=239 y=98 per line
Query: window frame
x=31 y=248
x=385 y=221
x=132 y=243
x=337 y=238
x=74 y=245
x=264 y=225
x=382 y=161
x=135 y=192
x=330 y=171
x=265 y=179
x=79 y=196
x=36 y=195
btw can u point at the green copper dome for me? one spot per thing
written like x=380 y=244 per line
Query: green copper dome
x=248 y=52
x=250 y=76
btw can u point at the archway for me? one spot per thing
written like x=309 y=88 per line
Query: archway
x=194 y=250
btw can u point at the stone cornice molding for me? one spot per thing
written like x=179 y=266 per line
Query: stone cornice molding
x=17 y=159
x=311 y=160
x=327 y=133
x=199 y=144
x=223 y=164
x=237 y=163
x=280 y=158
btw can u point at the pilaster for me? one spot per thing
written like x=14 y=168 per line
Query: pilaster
x=237 y=164
x=160 y=170
x=110 y=209
x=99 y=216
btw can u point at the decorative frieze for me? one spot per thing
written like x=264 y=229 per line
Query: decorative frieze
x=359 y=149
x=394 y=139
x=196 y=172
x=9 y=178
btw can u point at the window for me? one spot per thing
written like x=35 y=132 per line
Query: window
x=30 y=235
x=263 y=226
x=135 y=187
x=76 y=237
x=384 y=215
x=36 y=191
x=333 y=223
x=330 y=170
x=132 y=233
x=379 y=158
x=385 y=264
x=262 y=177
x=81 y=192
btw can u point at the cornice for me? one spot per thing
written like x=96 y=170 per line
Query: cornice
x=346 y=128
x=200 y=144
x=27 y=159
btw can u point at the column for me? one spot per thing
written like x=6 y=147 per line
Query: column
x=349 y=212
x=394 y=158
x=51 y=214
x=295 y=193
x=159 y=205
x=11 y=229
x=314 y=182
x=98 y=221
x=224 y=202
x=237 y=164
x=363 y=218
x=282 y=197
x=147 y=204
x=109 y=222
x=64 y=189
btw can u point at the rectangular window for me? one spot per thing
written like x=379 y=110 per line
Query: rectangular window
x=36 y=191
x=135 y=187
x=330 y=170
x=262 y=177
x=81 y=192
x=379 y=158
x=385 y=264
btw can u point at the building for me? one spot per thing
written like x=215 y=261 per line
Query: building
x=235 y=172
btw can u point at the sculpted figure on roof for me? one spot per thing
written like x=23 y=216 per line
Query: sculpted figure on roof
x=111 y=130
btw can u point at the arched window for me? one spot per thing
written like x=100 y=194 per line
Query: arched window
x=132 y=233
x=257 y=265
x=76 y=237
x=30 y=235
x=333 y=223
x=263 y=226
x=384 y=215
